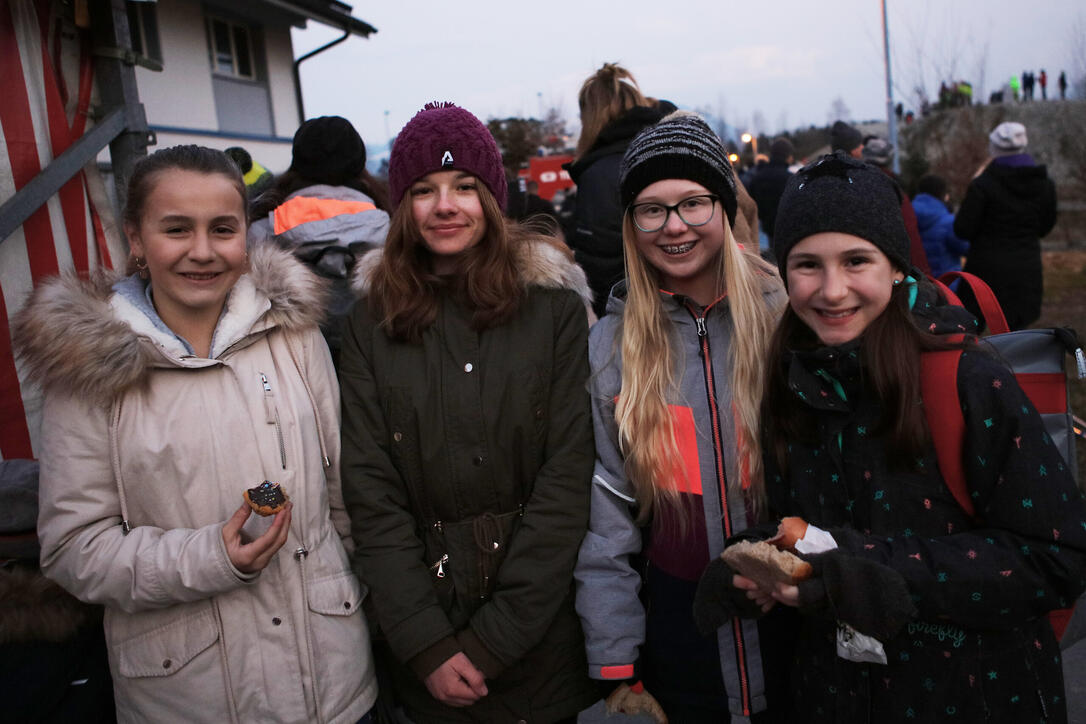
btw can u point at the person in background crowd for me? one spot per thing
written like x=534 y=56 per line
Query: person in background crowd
x=915 y=611
x=168 y=394
x=613 y=111
x=1007 y=208
x=1043 y=82
x=53 y=661
x=844 y=137
x=880 y=152
x=327 y=209
x=768 y=184
x=935 y=221
x=1063 y=85
x=467 y=439
x=525 y=202
x=676 y=386
x=257 y=178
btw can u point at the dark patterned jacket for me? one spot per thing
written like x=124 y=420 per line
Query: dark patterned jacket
x=980 y=648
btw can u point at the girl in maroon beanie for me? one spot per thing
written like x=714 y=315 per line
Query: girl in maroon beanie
x=468 y=442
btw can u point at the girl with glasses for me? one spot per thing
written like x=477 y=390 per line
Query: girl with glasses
x=676 y=388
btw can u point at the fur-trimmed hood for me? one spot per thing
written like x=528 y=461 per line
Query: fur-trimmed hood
x=80 y=335
x=539 y=263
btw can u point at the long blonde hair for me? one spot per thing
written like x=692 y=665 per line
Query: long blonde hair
x=604 y=96
x=645 y=428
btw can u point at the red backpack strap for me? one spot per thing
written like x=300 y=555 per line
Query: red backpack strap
x=986 y=299
x=943 y=410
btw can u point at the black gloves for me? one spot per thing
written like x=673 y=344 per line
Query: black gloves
x=716 y=601
x=872 y=598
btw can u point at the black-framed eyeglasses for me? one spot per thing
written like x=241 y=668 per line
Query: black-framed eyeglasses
x=693 y=210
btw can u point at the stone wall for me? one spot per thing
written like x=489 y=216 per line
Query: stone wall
x=954 y=144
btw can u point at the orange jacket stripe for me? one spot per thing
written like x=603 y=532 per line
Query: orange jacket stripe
x=302 y=209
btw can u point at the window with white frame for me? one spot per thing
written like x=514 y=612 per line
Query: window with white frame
x=231 y=49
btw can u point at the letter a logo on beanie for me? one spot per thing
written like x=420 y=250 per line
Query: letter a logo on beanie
x=447 y=159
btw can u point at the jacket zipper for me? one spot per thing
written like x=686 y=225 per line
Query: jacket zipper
x=271 y=411
x=722 y=483
x=301 y=553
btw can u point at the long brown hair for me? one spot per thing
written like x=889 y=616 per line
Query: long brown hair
x=404 y=290
x=604 y=96
x=891 y=348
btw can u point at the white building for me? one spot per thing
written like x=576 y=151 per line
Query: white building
x=228 y=73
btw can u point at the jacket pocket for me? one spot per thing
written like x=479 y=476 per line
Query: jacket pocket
x=337 y=595
x=165 y=651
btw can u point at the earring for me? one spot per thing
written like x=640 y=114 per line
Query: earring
x=897 y=282
x=141 y=268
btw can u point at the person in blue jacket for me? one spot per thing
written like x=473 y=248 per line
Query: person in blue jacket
x=943 y=247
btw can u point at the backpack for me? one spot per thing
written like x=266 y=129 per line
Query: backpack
x=1036 y=357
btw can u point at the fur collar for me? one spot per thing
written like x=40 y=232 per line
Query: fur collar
x=539 y=263
x=36 y=610
x=77 y=335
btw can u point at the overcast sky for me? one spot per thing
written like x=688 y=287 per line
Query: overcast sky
x=787 y=60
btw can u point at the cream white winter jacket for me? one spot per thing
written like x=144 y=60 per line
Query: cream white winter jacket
x=145 y=451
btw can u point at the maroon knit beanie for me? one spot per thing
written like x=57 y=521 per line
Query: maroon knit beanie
x=443 y=136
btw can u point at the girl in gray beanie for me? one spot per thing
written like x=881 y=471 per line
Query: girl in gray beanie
x=677 y=369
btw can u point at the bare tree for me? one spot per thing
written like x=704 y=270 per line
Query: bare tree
x=555 y=136
x=782 y=121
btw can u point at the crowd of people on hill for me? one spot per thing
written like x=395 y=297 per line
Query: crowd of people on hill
x=340 y=450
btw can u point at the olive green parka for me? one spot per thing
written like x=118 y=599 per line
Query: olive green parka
x=467 y=459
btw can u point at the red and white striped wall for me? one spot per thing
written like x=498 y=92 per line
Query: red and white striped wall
x=46 y=79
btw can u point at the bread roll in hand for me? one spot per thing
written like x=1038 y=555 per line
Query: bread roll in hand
x=766 y=564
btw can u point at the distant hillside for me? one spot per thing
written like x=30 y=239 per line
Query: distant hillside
x=954 y=144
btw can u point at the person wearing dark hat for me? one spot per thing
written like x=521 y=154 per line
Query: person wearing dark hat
x=844 y=137
x=879 y=152
x=768 y=183
x=467 y=438
x=915 y=608
x=676 y=396
x=1007 y=208
x=327 y=209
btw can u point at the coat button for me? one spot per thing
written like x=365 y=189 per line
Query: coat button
x=478 y=460
x=347 y=605
x=397 y=436
x=539 y=414
x=167 y=664
x=276 y=621
x=468 y=367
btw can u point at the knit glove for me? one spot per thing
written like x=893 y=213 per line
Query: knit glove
x=634 y=699
x=872 y=598
x=717 y=601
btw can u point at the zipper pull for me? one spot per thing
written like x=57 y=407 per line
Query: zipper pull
x=269 y=399
x=1080 y=362
x=439 y=567
x=702 y=331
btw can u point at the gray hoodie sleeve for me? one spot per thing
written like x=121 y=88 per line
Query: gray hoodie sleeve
x=607 y=584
